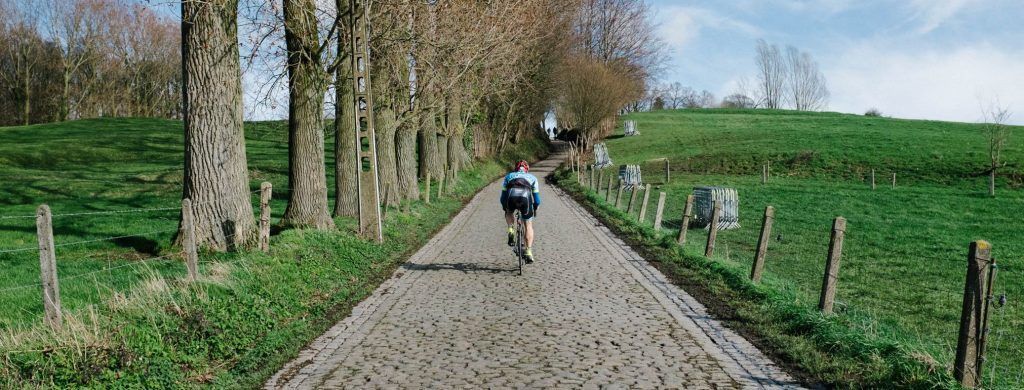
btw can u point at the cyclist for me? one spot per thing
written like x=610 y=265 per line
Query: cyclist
x=520 y=191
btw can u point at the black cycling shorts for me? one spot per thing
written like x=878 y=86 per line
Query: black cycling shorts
x=522 y=203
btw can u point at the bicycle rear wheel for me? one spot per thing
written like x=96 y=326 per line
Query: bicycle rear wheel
x=520 y=252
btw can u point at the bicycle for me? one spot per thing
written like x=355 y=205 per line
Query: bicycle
x=518 y=249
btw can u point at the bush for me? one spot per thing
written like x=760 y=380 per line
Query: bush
x=873 y=112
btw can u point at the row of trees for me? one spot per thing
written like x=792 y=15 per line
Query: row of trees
x=446 y=76
x=675 y=96
x=787 y=78
x=613 y=55
x=790 y=79
x=64 y=59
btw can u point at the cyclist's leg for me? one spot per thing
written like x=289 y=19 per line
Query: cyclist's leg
x=529 y=233
x=528 y=221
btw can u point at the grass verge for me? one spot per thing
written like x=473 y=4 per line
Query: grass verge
x=249 y=315
x=846 y=351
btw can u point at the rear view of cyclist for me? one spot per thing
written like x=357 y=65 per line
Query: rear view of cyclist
x=520 y=191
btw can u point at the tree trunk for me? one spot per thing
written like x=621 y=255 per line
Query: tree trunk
x=216 y=177
x=386 y=166
x=405 y=141
x=65 y=98
x=455 y=152
x=992 y=182
x=442 y=153
x=346 y=186
x=27 y=109
x=307 y=174
x=430 y=161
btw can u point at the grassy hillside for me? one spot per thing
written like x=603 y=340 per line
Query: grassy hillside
x=824 y=145
x=95 y=166
x=903 y=263
x=130 y=320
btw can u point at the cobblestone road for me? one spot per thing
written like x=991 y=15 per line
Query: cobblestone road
x=589 y=314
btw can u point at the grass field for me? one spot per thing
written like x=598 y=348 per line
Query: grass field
x=903 y=262
x=95 y=166
x=134 y=324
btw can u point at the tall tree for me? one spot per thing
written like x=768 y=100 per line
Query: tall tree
x=23 y=55
x=74 y=27
x=307 y=83
x=806 y=89
x=346 y=181
x=771 y=67
x=216 y=177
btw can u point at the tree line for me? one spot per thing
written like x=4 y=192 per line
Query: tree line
x=73 y=59
x=451 y=81
x=787 y=78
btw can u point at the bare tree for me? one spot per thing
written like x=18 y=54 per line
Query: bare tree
x=806 y=89
x=706 y=99
x=23 y=54
x=74 y=27
x=216 y=176
x=677 y=96
x=737 y=100
x=771 y=68
x=997 y=132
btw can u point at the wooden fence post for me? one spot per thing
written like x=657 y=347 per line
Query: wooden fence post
x=579 y=163
x=667 y=167
x=188 y=240
x=762 y=244
x=48 y=268
x=661 y=209
x=643 y=206
x=608 y=192
x=872 y=179
x=593 y=176
x=716 y=213
x=426 y=194
x=618 y=195
x=894 y=180
x=970 y=347
x=266 y=191
x=764 y=174
x=831 y=277
x=600 y=178
x=632 y=200
x=686 y=220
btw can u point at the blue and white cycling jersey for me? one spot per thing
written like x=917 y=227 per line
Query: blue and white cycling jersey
x=520 y=184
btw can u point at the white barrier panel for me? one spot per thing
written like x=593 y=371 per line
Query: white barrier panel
x=704 y=201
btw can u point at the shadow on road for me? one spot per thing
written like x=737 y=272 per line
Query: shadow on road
x=461 y=267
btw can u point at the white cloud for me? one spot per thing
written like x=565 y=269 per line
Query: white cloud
x=927 y=84
x=931 y=14
x=681 y=25
x=818 y=7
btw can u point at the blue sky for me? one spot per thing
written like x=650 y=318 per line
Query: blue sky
x=932 y=59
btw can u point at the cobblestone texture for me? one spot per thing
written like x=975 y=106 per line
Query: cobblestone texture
x=589 y=314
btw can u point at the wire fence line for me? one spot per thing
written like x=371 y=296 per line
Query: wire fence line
x=110 y=238
x=935 y=293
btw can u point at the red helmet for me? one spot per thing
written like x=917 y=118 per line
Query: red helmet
x=522 y=165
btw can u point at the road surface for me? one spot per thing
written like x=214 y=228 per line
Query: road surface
x=590 y=313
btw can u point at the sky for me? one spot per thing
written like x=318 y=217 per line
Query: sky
x=922 y=59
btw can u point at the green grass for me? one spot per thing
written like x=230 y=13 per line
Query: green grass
x=132 y=323
x=902 y=274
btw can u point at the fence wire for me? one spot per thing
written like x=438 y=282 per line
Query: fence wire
x=918 y=293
